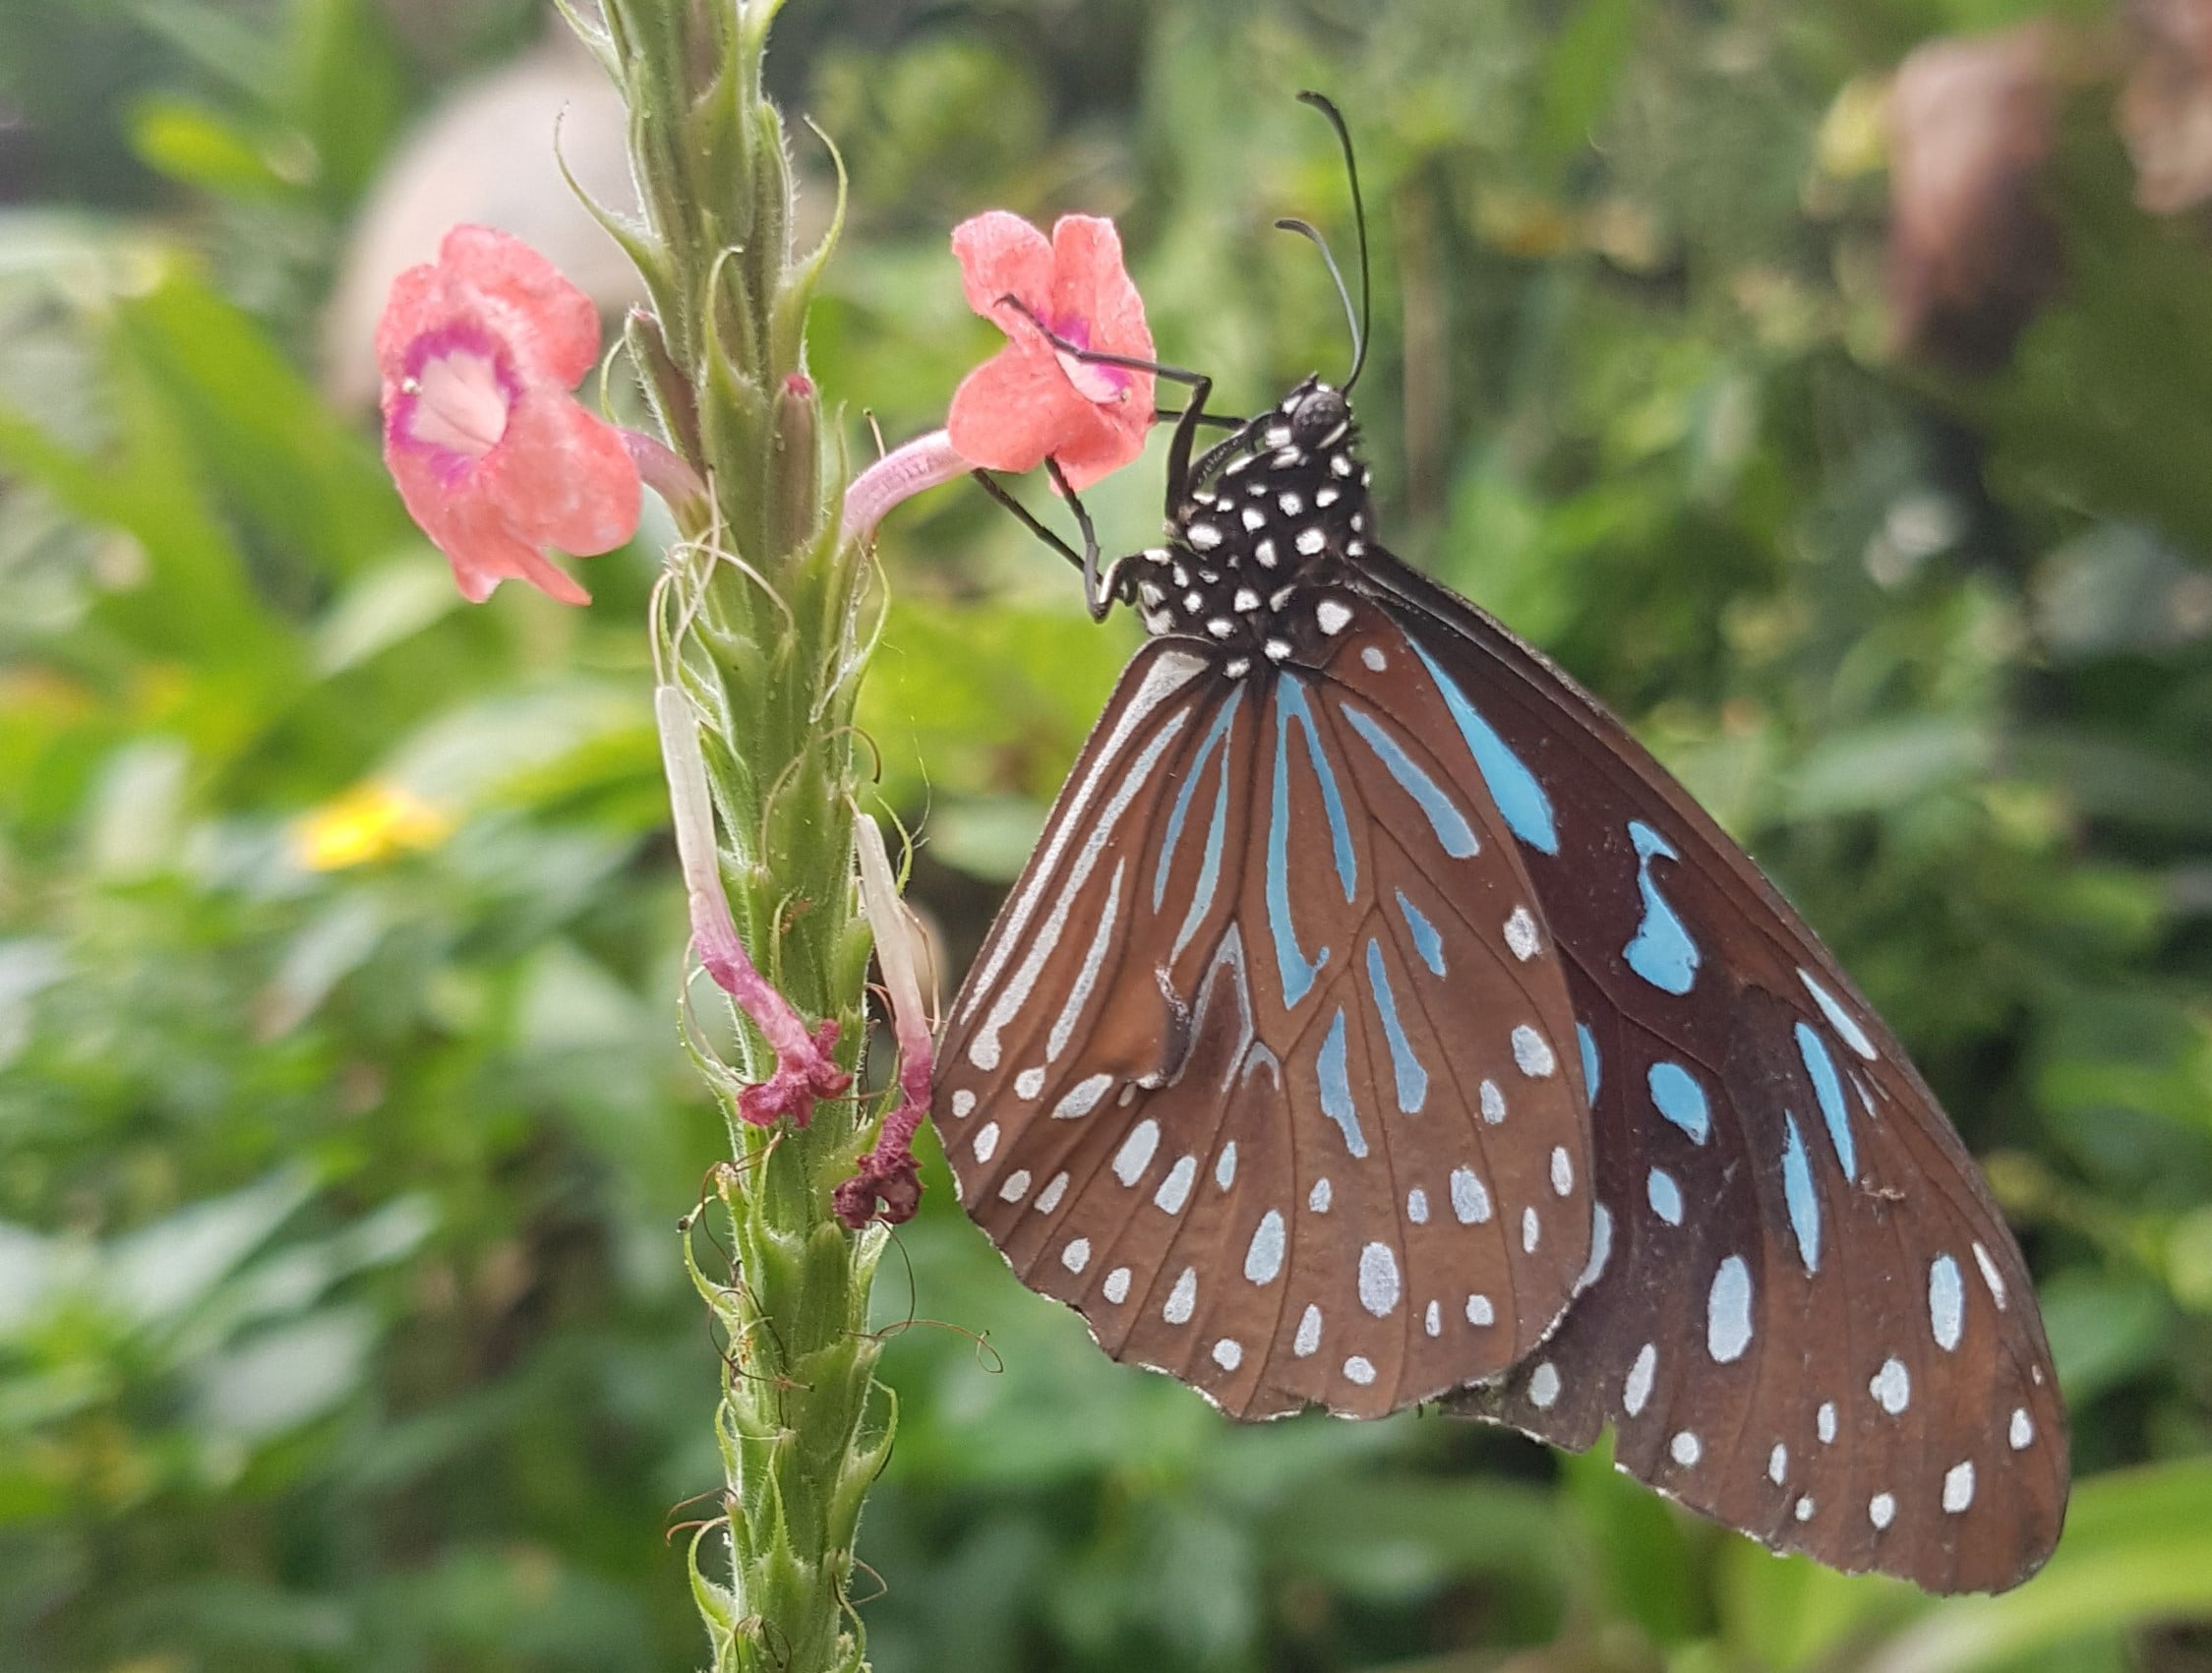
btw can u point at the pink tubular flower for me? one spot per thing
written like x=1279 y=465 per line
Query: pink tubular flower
x=494 y=455
x=1031 y=401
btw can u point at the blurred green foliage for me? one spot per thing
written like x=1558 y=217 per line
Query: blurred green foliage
x=342 y=1126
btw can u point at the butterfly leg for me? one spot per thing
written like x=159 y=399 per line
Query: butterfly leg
x=1200 y=385
x=1099 y=590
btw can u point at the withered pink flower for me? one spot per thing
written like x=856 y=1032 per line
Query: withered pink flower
x=886 y=1184
x=494 y=455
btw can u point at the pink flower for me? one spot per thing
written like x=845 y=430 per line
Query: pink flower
x=1031 y=401
x=494 y=455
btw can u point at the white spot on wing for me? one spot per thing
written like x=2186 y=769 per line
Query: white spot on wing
x=1228 y=1353
x=2022 y=1431
x=1470 y=1203
x=1135 y=1155
x=1016 y=1186
x=1543 y=1386
x=1728 y=1324
x=1958 y=1486
x=1562 y=1171
x=1493 y=1103
x=1892 y=1386
x=1687 y=1449
x=1882 y=1511
x=1532 y=1052
x=1359 y=1369
x=1077 y=1255
x=1991 y=1275
x=1309 y=1334
x=987 y=1140
x=1116 y=1285
x=1263 y=1260
x=1638 y=1388
x=1480 y=1312
x=1174 y=1190
x=1182 y=1300
x=1521 y=934
x=1082 y=1098
x=1048 y=1198
x=1378 y=1280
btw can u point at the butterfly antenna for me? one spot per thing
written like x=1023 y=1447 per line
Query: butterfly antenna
x=1323 y=103
x=1305 y=229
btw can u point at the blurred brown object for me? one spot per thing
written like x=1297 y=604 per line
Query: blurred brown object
x=2166 y=104
x=1973 y=252
x=487 y=154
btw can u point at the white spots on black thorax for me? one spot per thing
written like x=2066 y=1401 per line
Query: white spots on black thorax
x=1299 y=514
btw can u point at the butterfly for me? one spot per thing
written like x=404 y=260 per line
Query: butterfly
x=1377 y=1021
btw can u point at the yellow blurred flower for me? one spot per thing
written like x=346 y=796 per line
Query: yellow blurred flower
x=374 y=821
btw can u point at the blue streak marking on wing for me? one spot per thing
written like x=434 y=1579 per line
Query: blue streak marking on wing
x=1214 y=736
x=1426 y=942
x=1297 y=971
x=1413 y=1079
x=1335 y=1087
x=1520 y=797
x=1663 y=952
x=1678 y=1096
x=1291 y=700
x=1209 y=872
x=1797 y=1190
x=1593 y=1073
x=1829 y=1087
x=1443 y=816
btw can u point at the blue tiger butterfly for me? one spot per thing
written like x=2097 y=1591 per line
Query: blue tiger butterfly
x=1378 y=1021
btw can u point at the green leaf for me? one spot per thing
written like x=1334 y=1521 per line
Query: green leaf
x=2137 y=1550
x=197 y=146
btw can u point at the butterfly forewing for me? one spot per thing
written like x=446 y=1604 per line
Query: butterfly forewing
x=1268 y=1068
x=1805 y=1316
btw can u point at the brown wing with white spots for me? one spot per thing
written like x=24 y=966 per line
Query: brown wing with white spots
x=1268 y=1067
x=1806 y=1316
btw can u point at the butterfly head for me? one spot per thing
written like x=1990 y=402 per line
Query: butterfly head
x=1271 y=514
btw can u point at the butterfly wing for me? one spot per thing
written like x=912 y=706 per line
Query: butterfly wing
x=1266 y=1067
x=1806 y=1316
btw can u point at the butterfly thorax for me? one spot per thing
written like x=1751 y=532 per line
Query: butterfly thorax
x=1274 y=514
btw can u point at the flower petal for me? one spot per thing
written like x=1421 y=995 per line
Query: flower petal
x=474 y=535
x=1090 y=283
x=417 y=306
x=1110 y=438
x=1002 y=255
x=547 y=322
x=561 y=477
x=1017 y=407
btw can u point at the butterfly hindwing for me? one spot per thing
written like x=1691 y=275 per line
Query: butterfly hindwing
x=1266 y=1067
x=1806 y=1316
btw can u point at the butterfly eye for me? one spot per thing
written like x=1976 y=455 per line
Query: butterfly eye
x=1320 y=416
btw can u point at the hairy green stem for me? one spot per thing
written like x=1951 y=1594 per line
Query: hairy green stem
x=757 y=647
